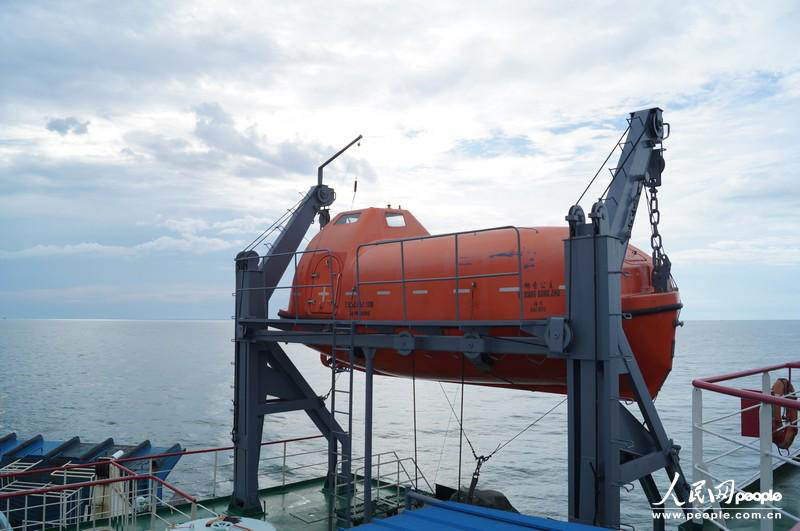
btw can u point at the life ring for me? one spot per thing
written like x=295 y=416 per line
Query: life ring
x=784 y=419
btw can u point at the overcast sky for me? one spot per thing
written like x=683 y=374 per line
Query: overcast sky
x=142 y=143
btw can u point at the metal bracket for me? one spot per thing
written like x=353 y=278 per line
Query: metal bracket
x=475 y=351
x=404 y=343
x=474 y=345
x=599 y=216
x=558 y=334
x=575 y=217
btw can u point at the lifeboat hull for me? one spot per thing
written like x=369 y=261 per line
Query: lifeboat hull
x=357 y=270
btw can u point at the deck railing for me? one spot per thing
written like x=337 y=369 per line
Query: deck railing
x=390 y=475
x=128 y=496
x=705 y=464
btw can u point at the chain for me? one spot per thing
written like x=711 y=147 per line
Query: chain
x=661 y=262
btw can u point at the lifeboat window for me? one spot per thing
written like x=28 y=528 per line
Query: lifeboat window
x=395 y=220
x=344 y=219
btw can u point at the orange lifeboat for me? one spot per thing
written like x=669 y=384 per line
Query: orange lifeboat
x=355 y=269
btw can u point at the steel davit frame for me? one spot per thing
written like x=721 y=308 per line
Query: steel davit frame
x=608 y=447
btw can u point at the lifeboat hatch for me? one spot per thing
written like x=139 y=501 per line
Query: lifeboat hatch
x=322 y=293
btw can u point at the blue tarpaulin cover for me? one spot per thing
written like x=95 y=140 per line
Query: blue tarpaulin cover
x=452 y=515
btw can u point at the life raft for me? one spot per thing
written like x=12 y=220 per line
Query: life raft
x=784 y=419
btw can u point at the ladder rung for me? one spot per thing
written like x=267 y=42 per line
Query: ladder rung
x=341 y=412
x=341 y=391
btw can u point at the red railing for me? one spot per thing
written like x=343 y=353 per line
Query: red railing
x=160 y=481
x=756 y=411
x=710 y=384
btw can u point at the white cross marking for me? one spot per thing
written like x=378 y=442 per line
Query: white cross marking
x=324 y=293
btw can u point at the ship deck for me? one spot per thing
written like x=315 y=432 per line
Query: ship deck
x=302 y=505
x=305 y=506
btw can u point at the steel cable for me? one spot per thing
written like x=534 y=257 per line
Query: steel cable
x=603 y=165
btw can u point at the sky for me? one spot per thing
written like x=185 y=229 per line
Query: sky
x=142 y=144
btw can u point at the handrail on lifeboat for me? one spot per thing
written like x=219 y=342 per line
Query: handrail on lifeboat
x=403 y=280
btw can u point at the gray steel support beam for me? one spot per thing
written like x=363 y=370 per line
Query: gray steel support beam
x=593 y=378
x=271 y=407
x=319 y=415
x=442 y=343
x=599 y=355
x=642 y=466
x=260 y=364
x=255 y=280
x=638 y=441
x=247 y=429
x=651 y=491
x=369 y=355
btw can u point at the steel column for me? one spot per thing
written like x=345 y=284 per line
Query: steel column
x=255 y=282
x=369 y=355
x=247 y=423
x=697 y=440
x=593 y=379
x=247 y=431
x=765 y=440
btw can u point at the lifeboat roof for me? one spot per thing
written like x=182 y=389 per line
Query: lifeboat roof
x=368 y=225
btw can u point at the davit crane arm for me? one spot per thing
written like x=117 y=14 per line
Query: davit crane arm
x=640 y=164
x=283 y=250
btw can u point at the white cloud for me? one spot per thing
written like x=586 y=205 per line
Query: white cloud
x=186 y=225
x=186 y=244
x=767 y=251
